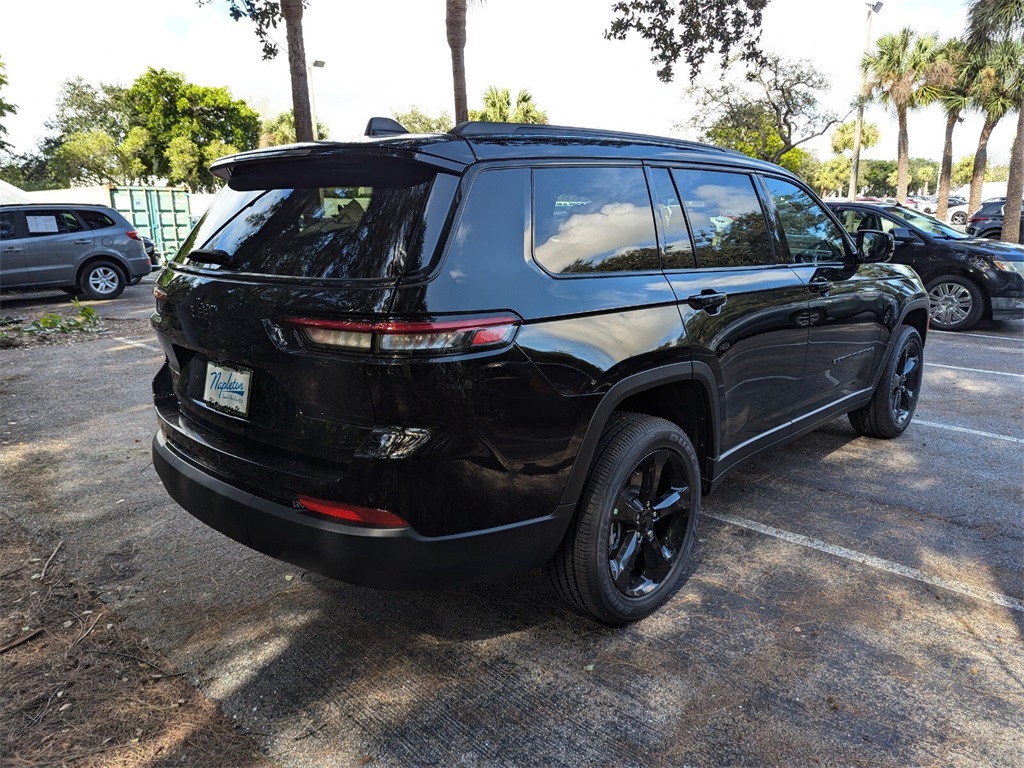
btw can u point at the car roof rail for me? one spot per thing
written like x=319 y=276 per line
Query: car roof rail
x=475 y=128
x=384 y=126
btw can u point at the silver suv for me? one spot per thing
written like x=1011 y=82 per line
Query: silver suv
x=90 y=250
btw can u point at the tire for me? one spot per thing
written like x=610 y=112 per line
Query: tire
x=895 y=399
x=626 y=551
x=102 y=280
x=955 y=303
x=135 y=280
x=958 y=218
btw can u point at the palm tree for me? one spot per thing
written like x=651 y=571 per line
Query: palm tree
x=989 y=21
x=955 y=98
x=997 y=91
x=903 y=72
x=455 y=24
x=498 y=108
x=291 y=10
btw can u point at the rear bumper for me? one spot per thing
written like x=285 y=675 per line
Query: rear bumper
x=373 y=557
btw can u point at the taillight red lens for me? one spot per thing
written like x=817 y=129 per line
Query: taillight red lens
x=133 y=235
x=352 y=513
x=406 y=337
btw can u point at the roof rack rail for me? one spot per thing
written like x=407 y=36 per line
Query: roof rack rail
x=483 y=128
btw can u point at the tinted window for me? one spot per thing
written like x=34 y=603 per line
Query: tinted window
x=329 y=231
x=41 y=223
x=593 y=220
x=810 y=234
x=725 y=217
x=96 y=219
x=6 y=224
x=676 y=245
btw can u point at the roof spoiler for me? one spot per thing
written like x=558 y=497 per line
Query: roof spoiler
x=384 y=126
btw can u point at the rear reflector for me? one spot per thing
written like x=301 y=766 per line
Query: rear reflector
x=406 y=337
x=351 y=513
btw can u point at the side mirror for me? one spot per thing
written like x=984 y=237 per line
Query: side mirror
x=904 y=235
x=875 y=247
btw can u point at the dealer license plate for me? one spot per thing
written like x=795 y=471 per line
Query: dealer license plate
x=228 y=387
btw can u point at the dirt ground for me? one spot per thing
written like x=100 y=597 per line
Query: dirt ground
x=78 y=687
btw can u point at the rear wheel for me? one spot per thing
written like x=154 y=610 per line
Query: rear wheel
x=892 y=406
x=627 y=547
x=956 y=303
x=958 y=218
x=102 y=280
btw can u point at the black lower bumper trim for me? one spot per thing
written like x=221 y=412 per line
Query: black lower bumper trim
x=372 y=557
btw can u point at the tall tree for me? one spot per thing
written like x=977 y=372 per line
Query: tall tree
x=902 y=72
x=173 y=110
x=998 y=91
x=691 y=30
x=280 y=129
x=768 y=118
x=455 y=27
x=989 y=21
x=6 y=108
x=266 y=14
x=955 y=97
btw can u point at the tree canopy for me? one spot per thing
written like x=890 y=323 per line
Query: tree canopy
x=691 y=30
x=6 y=108
x=774 y=111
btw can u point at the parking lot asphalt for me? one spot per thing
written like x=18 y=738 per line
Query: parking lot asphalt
x=852 y=601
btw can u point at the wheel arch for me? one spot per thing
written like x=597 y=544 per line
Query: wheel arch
x=116 y=260
x=683 y=393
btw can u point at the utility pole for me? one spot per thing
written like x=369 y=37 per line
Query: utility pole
x=858 y=130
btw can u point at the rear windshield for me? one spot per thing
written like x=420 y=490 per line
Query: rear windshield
x=358 y=230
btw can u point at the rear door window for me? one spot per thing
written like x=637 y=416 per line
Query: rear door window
x=725 y=217
x=593 y=220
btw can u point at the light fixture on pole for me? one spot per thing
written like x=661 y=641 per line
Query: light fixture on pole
x=858 y=130
x=318 y=64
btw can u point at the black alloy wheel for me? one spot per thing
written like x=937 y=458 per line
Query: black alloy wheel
x=892 y=406
x=626 y=550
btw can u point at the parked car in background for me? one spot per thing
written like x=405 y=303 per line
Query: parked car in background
x=967 y=278
x=87 y=249
x=987 y=221
x=931 y=204
x=409 y=361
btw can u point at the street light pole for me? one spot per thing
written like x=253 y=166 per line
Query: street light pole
x=318 y=64
x=858 y=130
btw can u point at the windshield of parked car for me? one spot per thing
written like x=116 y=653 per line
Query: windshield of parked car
x=928 y=224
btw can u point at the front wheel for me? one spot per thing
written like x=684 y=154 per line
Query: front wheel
x=627 y=547
x=895 y=399
x=102 y=280
x=958 y=218
x=955 y=303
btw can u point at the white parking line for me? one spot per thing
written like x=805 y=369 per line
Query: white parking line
x=974 y=370
x=977 y=335
x=977 y=432
x=138 y=344
x=875 y=562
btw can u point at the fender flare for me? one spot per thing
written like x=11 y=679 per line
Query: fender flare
x=631 y=385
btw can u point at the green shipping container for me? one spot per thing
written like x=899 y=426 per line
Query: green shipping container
x=160 y=213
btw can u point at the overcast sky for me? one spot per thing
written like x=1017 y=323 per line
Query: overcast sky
x=385 y=55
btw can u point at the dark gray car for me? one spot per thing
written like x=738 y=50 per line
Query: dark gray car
x=90 y=250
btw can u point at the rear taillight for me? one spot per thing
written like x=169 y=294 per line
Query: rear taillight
x=133 y=235
x=350 y=513
x=399 y=337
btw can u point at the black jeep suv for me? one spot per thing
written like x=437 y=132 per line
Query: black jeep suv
x=416 y=360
